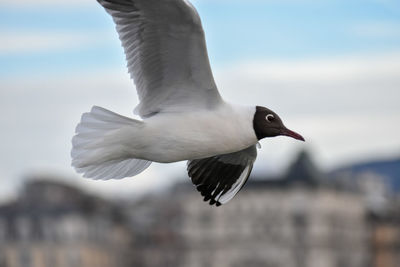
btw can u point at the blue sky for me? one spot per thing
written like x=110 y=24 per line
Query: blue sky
x=236 y=31
x=331 y=69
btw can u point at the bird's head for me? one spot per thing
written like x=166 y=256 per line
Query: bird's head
x=267 y=123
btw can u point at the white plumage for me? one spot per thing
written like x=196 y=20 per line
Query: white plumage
x=166 y=53
x=103 y=138
x=99 y=150
x=184 y=116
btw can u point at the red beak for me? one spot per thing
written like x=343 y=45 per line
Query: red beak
x=293 y=134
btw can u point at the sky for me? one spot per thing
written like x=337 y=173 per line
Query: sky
x=330 y=69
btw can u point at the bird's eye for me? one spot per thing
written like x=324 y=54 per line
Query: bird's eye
x=269 y=117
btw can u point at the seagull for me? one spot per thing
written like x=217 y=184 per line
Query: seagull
x=183 y=116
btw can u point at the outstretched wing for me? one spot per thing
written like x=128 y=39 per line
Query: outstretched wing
x=166 y=53
x=221 y=177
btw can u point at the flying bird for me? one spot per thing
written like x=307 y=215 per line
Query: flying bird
x=183 y=116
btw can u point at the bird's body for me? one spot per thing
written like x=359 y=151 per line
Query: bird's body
x=183 y=115
x=172 y=137
x=195 y=135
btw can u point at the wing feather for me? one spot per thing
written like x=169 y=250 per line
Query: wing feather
x=166 y=54
x=221 y=177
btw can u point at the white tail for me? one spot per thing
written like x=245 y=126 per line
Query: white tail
x=99 y=146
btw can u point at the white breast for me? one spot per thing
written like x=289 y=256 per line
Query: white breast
x=177 y=136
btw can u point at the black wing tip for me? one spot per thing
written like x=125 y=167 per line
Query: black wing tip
x=213 y=202
x=207 y=196
x=210 y=191
x=213 y=177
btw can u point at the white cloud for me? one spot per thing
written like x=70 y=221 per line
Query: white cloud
x=337 y=69
x=32 y=42
x=347 y=108
x=347 y=84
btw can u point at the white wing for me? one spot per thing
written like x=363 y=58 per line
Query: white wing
x=166 y=52
x=221 y=177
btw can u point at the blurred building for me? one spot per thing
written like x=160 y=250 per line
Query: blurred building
x=298 y=221
x=157 y=220
x=54 y=225
x=303 y=219
x=385 y=236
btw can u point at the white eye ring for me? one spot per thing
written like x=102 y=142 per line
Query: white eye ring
x=269 y=117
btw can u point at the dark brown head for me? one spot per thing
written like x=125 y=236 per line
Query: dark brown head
x=267 y=123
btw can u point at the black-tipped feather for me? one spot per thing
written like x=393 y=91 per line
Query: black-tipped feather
x=217 y=178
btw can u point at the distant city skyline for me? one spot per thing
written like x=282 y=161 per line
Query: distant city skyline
x=330 y=68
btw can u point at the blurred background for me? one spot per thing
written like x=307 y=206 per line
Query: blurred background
x=330 y=68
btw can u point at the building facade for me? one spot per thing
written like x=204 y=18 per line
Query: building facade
x=290 y=227
x=54 y=225
x=302 y=219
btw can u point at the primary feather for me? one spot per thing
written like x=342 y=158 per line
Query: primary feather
x=166 y=53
